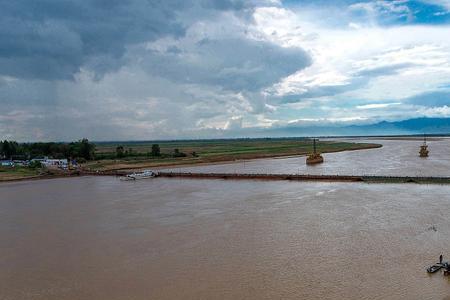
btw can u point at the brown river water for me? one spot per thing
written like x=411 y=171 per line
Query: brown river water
x=397 y=158
x=101 y=238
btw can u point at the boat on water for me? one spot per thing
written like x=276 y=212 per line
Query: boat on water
x=434 y=268
x=440 y=265
x=424 y=148
x=315 y=157
x=141 y=175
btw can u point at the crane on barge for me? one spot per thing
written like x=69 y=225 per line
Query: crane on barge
x=315 y=157
x=424 y=148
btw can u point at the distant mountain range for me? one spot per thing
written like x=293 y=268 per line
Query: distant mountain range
x=406 y=127
x=411 y=126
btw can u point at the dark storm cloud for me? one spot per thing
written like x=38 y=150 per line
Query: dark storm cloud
x=234 y=4
x=52 y=39
x=384 y=70
x=224 y=4
x=233 y=64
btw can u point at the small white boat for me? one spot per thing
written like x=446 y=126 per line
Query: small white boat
x=142 y=175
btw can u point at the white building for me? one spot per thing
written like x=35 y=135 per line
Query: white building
x=52 y=162
x=55 y=163
x=6 y=163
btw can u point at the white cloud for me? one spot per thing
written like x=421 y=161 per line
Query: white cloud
x=443 y=111
x=364 y=62
x=235 y=123
x=376 y=105
x=373 y=9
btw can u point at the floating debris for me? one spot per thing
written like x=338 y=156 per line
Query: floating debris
x=432 y=228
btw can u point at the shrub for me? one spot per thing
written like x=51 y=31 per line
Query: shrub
x=35 y=164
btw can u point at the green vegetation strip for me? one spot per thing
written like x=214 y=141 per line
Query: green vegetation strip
x=12 y=173
x=133 y=155
x=107 y=156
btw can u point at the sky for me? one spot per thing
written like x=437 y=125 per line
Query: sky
x=183 y=69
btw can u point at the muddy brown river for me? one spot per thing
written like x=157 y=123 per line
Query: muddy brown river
x=101 y=238
x=395 y=158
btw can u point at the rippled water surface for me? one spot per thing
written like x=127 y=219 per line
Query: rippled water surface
x=394 y=158
x=100 y=238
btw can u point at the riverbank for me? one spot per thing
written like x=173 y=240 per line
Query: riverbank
x=208 y=155
x=24 y=173
x=17 y=173
x=213 y=152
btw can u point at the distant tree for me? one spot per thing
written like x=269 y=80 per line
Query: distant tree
x=65 y=150
x=120 y=152
x=156 y=151
x=9 y=148
x=82 y=148
x=85 y=149
x=177 y=153
x=194 y=154
x=5 y=149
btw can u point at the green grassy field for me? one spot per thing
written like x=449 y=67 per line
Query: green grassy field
x=208 y=151
x=231 y=147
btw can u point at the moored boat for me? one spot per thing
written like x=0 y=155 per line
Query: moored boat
x=434 y=268
x=142 y=175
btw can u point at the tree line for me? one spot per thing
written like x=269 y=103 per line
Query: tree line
x=121 y=152
x=80 y=150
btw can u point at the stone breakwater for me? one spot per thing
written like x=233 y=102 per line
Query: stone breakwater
x=292 y=177
x=306 y=177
